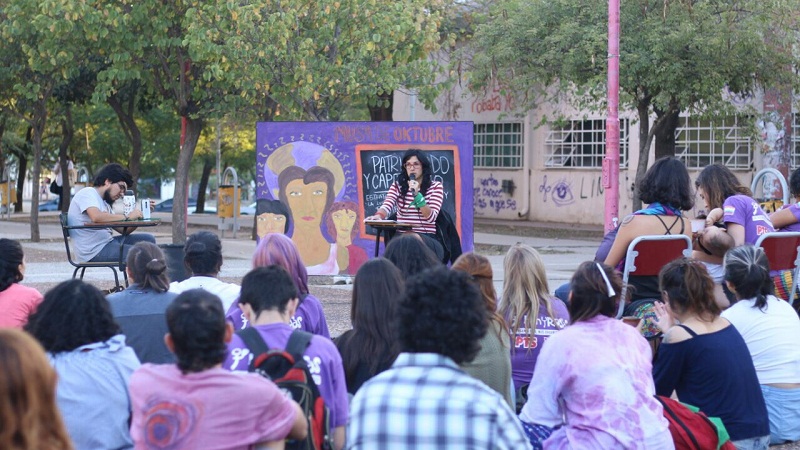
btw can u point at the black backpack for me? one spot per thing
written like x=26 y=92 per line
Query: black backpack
x=289 y=371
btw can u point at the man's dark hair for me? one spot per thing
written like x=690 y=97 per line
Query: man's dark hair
x=72 y=314
x=443 y=313
x=196 y=323
x=114 y=173
x=267 y=288
x=203 y=254
x=667 y=182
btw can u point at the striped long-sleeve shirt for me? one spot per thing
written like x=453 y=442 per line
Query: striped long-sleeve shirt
x=408 y=213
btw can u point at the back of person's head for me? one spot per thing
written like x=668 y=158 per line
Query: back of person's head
x=114 y=173
x=525 y=288
x=29 y=416
x=197 y=328
x=718 y=183
x=410 y=254
x=717 y=241
x=11 y=257
x=794 y=183
x=148 y=266
x=480 y=272
x=442 y=312
x=377 y=290
x=689 y=288
x=667 y=182
x=203 y=253
x=594 y=291
x=747 y=272
x=267 y=288
x=279 y=249
x=72 y=314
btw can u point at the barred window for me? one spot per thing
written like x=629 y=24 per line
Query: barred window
x=796 y=142
x=582 y=143
x=497 y=145
x=700 y=142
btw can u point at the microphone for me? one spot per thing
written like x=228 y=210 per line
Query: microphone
x=413 y=177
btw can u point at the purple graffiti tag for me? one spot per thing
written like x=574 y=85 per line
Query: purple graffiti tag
x=562 y=193
x=544 y=189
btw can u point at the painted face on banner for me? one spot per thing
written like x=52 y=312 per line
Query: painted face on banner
x=307 y=202
x=267 y=223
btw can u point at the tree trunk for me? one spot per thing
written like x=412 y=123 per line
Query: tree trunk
x=125 y=115
x=208 y=166
x=643 y=109
x=22 y=168
x=382 y=110
x=67 y=132
x=665 y=134
x=193 y=129
x=39 y=122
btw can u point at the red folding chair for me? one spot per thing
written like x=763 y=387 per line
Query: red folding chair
x=783 y=253
x=648 y=254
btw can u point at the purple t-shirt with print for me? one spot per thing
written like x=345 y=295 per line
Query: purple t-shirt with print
x=525 y=348
x=795 y=209
x=745 y=211
x=308 y=317
x=322 y=357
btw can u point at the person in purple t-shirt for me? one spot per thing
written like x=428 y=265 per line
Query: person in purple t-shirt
x=727 y=200
x=531 y=313
x=280 y=250
x=788 y=217
x=269 y=299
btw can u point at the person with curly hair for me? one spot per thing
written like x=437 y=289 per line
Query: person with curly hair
x=75 y=326
x=140 y=308
x=203 y=258
x=492 y=365
x=278 y=249
x=198 y=404
x=29 y=417
x=425 y=400
x=372 y=345
x=17 y=302
x=592 y=386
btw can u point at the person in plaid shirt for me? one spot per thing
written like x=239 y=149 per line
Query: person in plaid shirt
x=425 y=401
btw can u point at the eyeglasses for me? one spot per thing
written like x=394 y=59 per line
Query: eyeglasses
x=409 y=165
x=122 y=186
x=611 y=291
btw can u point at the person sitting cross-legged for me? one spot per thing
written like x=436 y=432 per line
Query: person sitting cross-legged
x=269 y=300
x=196 y=403
x=425 y=401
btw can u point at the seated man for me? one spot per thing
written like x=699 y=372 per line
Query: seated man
x=425 y=401
x=196 y=403
x=268 y=300
x=93 y=204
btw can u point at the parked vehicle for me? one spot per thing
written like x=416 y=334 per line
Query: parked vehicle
x=49 y=205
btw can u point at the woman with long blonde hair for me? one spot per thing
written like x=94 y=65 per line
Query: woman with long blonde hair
x=29 y=417
x=531 y=312
x=492 y=365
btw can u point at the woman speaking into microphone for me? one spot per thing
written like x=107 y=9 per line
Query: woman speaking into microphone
x=416 y=199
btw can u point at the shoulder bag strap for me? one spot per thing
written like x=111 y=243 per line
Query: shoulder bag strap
x=299 y=340
x=254 y=342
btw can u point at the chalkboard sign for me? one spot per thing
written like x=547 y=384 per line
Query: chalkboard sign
x=379 y=166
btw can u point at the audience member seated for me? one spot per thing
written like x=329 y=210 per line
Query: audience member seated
x=492 y=365
x=198 y=404
x=592 y=386
x=17 y=302
x=269 y=300
x=279 y=249
x=372 y=345
x=788 y=217
x=728 y=201
x=411 y=255
x=704 y=359
x=85 y=346
x=771 y=330
x=532 y=314
x=139 y=309
x=424 y=401
x=29 y=417
x=203 y=258
x=93 y=204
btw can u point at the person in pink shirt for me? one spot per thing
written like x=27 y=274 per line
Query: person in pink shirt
x=198 y=404
x=17 y=302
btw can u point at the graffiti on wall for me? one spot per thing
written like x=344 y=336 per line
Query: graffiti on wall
x=493 y=101
x=563 y=192
x=489 y=197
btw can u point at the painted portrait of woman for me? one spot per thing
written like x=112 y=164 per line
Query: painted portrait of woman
x=272 y=216
x=341 y=222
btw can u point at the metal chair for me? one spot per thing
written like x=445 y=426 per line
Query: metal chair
x=82 y=266
x=646 y=256
x=783 y=253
